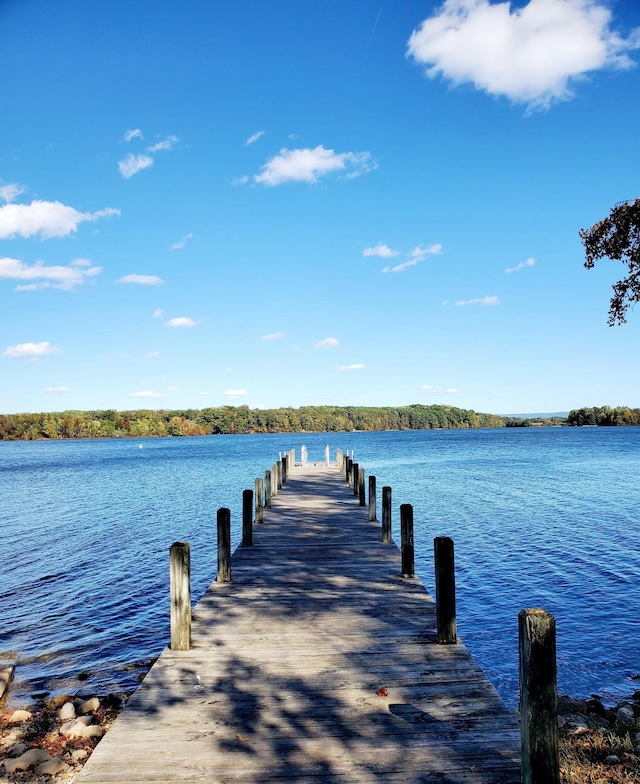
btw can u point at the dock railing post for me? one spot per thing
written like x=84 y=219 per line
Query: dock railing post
x=259 y=496
x=406 y=540
x=284 y=469
x=267 y=489
x=445 y=590
x=247 y=518
x=349 y=472
x=355 y=470
x=386 y=515
x=538 y=697
x=279 y=471
x=372 y=498
x=224 y=545
x=362 y=500
x=180 y=595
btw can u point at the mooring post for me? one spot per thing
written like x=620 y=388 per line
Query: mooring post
x=247 y=518
x=224 y=545
x=259 y=496
x=538 y=697
x=279 y=478
x=274 y=481
x=362 y=501
x=386 y=515
x=372 y=498
x=349 y=474
x=356 y=478
x=285 y=466
x=445 y=590
x=180 y=595
x=406 y=540
x=267 y=489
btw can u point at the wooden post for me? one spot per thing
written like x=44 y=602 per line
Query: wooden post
x=538 y=697
x=356 y=477
x=386 y=515
x=406 y=540
x=349 y=475
x=247 y=518
x=284 y=469
x=361 y=489
x=372 y=498
x=267 y=489
x=180 y=595
x=259 y=500
x=445 y=590
x=279 y=478
x=224 y=545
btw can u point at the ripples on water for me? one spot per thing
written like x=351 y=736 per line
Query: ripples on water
x=539 y=518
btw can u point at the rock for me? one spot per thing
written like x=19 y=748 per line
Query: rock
x=612 y=759
x=595 y=706
x=569 y=705
x=625 y=716
x=26 y=760
x=81 y=729
x=52 y=766
x=67 y=712
x=6 y=676
x=79 y=754
x=114 y=701
x=89 y=706
x=19 y=716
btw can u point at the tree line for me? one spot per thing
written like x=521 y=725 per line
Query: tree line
x=604 y=416
x=237 y=419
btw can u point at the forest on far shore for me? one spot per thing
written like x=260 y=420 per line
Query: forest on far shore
x=242 y=419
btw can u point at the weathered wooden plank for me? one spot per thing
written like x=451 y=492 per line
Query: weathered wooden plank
x=281 y=681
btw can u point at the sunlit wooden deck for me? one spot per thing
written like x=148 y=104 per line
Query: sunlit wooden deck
x=281 y=682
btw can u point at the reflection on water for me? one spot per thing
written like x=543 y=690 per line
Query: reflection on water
x=540 y=517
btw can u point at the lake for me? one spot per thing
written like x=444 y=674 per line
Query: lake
x=540 y=517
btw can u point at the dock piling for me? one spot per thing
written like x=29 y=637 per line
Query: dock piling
x=406 y=540
x=445 y=590
x=180 y=595
x=224 y=545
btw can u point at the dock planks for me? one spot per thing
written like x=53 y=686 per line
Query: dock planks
x=281 y=681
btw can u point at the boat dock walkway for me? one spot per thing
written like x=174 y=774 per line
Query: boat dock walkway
x=317 y=663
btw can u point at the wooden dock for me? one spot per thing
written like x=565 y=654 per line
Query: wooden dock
x=289 y=660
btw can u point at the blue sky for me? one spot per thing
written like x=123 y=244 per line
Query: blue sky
x=286 y=203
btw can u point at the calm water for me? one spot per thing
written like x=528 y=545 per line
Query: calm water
x=540 y=517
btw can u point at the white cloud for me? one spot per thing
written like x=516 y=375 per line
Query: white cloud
x=233 y=394
x=57 y=277
x=44 y=218
x=147 y=393
x=203 y=394
x=182 y=321
x=31 y=350
x=153 y=354
x=533 y=54
x=416 y=256
x=438 y=390
x=9 y=192
x=56 y=390
x=132 y=164
x=273 y=336
x=344 y=368
x=165 y=144
x=254 y=138
x=181 y=243
x=522 y=265
x=381 y=250
x=135 y=133
x=240 y=180
x=481 y=301
x=143 y=280
x=327 y=343
x=308 y=165
x=157 y=313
